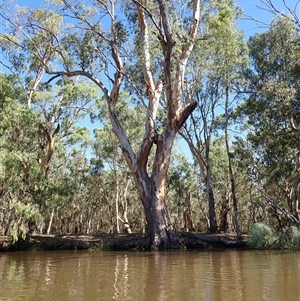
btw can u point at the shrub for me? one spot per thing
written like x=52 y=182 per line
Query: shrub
x=289 y=239
x=24 y=213
x=261 y=236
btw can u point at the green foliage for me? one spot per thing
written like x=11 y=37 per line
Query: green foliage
x=289 y=238
x=80 y=135
x=28 y=195
x=51 y=20
x=261 y=236
x=273 y=94
x=86 y=177
x=121 y=31
x=24 y=215
x=9 y=89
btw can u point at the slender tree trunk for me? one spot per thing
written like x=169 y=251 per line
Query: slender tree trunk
x=296 y=204
x=117 y=187
x=213 y=226
x=41 y=226
x=188 y=221
x=296 y=200
x=50 y=222
x=143 y=229
x=204 y=164
x=126 y=224
x=117 y=209
x=89 y=226
x=234 y=202
x=231 y=175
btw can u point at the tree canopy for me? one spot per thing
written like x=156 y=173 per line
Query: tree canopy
x=96 y=99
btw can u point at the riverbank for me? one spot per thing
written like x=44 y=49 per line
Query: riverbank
x=188 y=240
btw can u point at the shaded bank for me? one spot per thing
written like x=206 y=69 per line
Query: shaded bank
x=188 y=240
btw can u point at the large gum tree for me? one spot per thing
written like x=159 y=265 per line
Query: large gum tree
x=92 y=40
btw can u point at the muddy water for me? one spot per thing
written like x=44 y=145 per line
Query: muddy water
x=150 y=276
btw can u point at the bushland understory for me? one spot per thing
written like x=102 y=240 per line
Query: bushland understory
x=115 y=242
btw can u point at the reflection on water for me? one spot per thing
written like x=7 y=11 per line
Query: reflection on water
x=121 y=276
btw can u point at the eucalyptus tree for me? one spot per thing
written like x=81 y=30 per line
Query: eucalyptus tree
x=232 y=51
x=19 y=169
x=214 y=79
x=29 y=195
x=270 y=109
x=40 y=117
x=198 y=133
x=105 y=150
x=42 y=145
x=183 y=193
x=90 y=40
x=221 y=180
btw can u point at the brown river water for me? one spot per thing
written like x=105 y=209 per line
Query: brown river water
x=232 y=275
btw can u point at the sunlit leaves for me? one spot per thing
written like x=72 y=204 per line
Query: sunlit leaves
x=81 y=135
x=274 y=94
x=51 y=21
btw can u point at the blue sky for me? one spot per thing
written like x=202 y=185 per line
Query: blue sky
x=251 y=8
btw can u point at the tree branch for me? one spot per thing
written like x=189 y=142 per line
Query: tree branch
x=185 y=113
x=293 y=122
x=187 y=48
x=77 y=73
x=150 y=15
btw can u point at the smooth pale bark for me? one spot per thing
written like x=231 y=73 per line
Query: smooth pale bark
x=50 y=221
x=187 y=215
x=117 y=188
x=152 y=190
x=125 y=221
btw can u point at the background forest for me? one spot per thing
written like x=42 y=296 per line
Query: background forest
x=235 y=160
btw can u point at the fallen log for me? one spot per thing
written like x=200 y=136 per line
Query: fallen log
x=192 y=240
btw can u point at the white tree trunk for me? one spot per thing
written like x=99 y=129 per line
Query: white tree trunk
x=50 y=222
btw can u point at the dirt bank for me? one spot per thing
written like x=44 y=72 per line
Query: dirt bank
x=188 y=240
